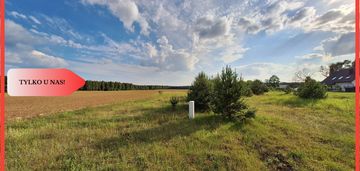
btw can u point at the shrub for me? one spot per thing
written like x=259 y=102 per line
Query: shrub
x=287 y=90
x=246 y=90
x=227 y=96
x=311 y=89
x=258 y=87
x=200 y=92
x=174 y=101
x=250 y=113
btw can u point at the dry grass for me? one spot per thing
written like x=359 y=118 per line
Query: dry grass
x=27 y=107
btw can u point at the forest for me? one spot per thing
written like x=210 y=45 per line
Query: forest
x=115 y=86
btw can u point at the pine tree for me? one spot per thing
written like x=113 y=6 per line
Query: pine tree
x=200 y=92
x=227 y=97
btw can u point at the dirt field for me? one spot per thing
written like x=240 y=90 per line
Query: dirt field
x=25 y=107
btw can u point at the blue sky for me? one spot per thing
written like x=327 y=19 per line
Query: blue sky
x=169 y=42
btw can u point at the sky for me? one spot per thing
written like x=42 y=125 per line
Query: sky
x=168 y=42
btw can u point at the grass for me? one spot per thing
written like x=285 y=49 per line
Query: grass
x=288 y=133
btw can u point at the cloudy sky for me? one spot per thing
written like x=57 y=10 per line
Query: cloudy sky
x=169 y=42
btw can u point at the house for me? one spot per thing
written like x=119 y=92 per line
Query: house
x=342 y=80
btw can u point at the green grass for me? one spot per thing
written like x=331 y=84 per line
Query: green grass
x=288 y=133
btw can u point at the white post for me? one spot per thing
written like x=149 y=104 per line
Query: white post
x=191 y=110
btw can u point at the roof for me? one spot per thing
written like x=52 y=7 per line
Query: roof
x=341 y=76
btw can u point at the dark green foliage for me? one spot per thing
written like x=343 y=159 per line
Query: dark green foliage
x=174 y=101
x=116 y=86
x=340 y=65
x=258 y=87
x=246 y=90
x=227 y=97
x=250 y=113
x=200 y=92
x=311 y=89
x=288 y=90
x=274 y=81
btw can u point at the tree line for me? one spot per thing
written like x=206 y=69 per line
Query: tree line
x=91 y=85
x=117 y=86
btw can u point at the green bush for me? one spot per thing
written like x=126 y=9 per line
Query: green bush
x=288 y=90
x=311 y=89
x=246 y=90
x=250 y=113
x=200 y=92
x=227 y=96
x=258 y=87
x=174 y=101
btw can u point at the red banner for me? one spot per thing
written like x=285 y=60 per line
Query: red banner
x=43 y=82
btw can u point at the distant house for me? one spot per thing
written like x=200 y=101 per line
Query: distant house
x=342 y=80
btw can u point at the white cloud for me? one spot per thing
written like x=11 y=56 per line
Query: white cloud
x=20 y=48
x=232 y=53
x=279 y=15
x=303 y=15
x=209 y=27
x=13 y=58
x=274 y=15
x=17 y=15
x=151 y=50
x=249 y=25
x=62 y=26
x=16 y=34
x=38 y=58
x=311 y=57
x=338 y=20
x=35 y=20
x=340 y=45
x=329 y=16
x=126 y=11
x=210 y=31
x=263 y=71
x=173 y=59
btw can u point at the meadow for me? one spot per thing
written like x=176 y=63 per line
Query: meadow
x=288 y=133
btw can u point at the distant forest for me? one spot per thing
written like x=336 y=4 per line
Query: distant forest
x=117 y=86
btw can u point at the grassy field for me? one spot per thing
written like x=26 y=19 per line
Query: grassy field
x=287 y=134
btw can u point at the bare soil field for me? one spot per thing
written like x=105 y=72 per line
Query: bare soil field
x=26 y=107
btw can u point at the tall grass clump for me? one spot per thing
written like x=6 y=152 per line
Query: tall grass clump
x=174 y=101
x=311 y=89
x=200 y=92
x=227 y=99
